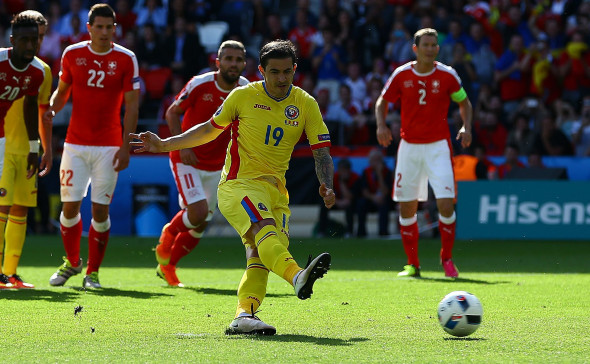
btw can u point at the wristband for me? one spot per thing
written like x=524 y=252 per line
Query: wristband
x=33 y=146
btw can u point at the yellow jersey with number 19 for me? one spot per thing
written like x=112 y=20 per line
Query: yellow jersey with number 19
x=264 y=130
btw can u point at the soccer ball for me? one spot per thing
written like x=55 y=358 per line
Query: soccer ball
x=460 y=313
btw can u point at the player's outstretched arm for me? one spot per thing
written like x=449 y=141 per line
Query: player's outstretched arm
x=195 y=136
x=324 y=168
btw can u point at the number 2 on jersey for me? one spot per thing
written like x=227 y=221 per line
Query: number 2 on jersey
x=277 y=135
x=422 y=93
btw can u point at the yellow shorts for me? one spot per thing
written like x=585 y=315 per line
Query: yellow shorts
x=244 y=202
x=15 y=188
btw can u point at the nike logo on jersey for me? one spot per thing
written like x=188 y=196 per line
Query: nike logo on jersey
x=447 y=230
x=407 y=233
x=99 y=63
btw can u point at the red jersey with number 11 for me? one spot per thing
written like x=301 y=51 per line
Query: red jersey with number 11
x=425 y=100
x=99 y=82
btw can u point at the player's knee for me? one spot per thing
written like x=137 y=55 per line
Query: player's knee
x=197 y=214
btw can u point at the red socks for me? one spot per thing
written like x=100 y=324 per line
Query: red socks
x=97 y=245
x=177 y=224
x=71 y=238
x=410 y=237
x=447 y=238
x=183 y=244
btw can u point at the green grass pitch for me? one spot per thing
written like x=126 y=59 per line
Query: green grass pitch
x=535 y=296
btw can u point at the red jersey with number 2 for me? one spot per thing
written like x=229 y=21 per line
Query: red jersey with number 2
x=15 y=83
x=99 y=82
x=200 y=98
x=425 y=100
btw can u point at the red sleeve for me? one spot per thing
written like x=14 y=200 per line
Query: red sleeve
x=391 y=91
x=65 y=74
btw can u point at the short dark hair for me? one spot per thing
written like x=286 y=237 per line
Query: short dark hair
x=23 y=20
x=102 y=10
x=422 y=32
x=277 y=49
x=233 y=44
x=39 y=18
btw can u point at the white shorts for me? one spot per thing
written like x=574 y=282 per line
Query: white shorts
x=195 y=185
x=2 y=147
x=82 y=165
x=419 y=164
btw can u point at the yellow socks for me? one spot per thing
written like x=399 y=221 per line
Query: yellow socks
x=252 y=288
x=274 y=254
x=16 y=230
x=3 y=218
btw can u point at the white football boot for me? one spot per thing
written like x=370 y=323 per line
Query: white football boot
x=64 y=272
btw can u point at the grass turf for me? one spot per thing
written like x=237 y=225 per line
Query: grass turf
x=534 y=295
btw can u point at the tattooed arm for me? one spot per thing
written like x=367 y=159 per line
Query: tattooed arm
x=324 y=169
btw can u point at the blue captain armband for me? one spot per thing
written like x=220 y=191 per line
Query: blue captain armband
x=459 y=95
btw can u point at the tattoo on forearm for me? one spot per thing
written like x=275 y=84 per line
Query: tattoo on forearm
x=324 y=167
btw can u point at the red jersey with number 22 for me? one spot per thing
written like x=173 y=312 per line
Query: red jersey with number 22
x=99 y=82
x=425 y=100
x=200 y=98
x=15 y=83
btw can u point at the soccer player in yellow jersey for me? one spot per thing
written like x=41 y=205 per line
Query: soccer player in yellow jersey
x=18 y=191
x=267 y=119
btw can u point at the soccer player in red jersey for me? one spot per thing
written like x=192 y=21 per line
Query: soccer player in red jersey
x=19 y=190
x=425 y=88
x=101 y=76
x=21 y=75
x=197 y=170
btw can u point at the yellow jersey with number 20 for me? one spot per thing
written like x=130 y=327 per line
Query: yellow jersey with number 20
x=265 y=130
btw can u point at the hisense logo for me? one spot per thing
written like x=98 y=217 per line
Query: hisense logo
x=507 y=209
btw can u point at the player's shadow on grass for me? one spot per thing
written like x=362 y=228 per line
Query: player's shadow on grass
x=40 y=295
x=306 y=339
x=226 y=292
x=457 y=280
x=464 y=339
x=115 y=292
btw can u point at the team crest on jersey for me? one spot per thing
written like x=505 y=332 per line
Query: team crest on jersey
x=208 y=97
x=291 y=112
x=2 y=192
x=26 y=82
x=408 y=83
x=2 y=76
x=112 y=67
x=435 y=86
x=81 y=61
x=262 y=207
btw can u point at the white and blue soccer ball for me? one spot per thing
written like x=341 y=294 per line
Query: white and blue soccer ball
x=460 y=313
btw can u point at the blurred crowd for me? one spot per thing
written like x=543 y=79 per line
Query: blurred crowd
x=524 y=64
